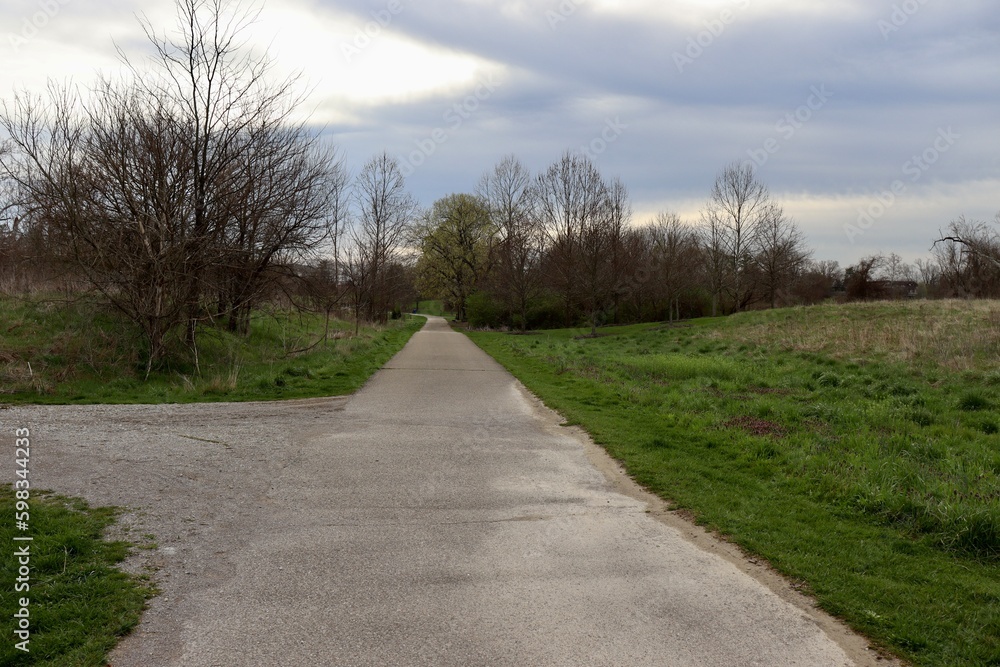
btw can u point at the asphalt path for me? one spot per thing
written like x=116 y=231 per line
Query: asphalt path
x=440 y=516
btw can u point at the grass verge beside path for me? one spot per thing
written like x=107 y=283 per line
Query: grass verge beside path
x=854 y=447
x=80 y=605
x=77 y=352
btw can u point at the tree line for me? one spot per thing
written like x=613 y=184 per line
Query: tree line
x=559 y=248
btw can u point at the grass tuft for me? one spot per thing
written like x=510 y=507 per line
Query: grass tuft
x=973 y=401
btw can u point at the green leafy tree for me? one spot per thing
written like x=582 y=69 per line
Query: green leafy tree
x=454 y=239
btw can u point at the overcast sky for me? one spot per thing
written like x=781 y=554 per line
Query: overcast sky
x=889 y=107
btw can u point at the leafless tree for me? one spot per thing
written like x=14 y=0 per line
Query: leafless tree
x=716 y=262
x=896 y=269
x=619 y=220
x=817 y=281
x=969 y=257
x=284 y=199
x=733 y=218
x=571 y=197
x=781 y=252
x=674 y=247
x=517 y=236
x=861 y=281
x=829 y=269
x=107 y=187
x=183 y=182
x=233 y=114
x=928 y=275
x=384 y=212
x=8 y=225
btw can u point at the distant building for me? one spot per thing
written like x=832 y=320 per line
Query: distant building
x=896 y=289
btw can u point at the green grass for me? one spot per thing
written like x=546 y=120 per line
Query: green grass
x=854 y=447
x=80 y=605
x=79 y=352
x=433 y=307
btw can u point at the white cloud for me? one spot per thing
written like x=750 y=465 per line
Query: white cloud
x=353 y=62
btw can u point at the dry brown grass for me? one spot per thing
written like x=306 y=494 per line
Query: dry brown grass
x=956 y=335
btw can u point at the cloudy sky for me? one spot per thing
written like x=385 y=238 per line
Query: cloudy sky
x=874 y=122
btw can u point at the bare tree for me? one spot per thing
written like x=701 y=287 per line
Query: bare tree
x=517 y=237
x=620 y=217
x=781 y=252
x=716 y=262
x=108 y=186
x=733 y=218
x=383 y=215
x=282 y=201
x=817 y=281
x=969 y=257
x=861 y=281
x=829 y=269
x=223 y=95
x=896 y=269
x=674 y=246
x=928 y=274
x=183 y=182
x=571 y=197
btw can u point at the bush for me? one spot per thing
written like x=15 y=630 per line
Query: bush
x=973 y=401
x=483 y=311
x=546 y=313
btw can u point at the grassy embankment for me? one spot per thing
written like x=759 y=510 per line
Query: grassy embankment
x=854 y=447
x=58 y=352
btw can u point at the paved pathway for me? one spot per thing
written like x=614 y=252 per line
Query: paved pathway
x=446 y=523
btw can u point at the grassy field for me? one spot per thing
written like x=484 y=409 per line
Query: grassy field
x=80 y=605
x=78 y=352
x=854 y=447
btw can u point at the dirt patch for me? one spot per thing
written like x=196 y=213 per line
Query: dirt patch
x=756 y=426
